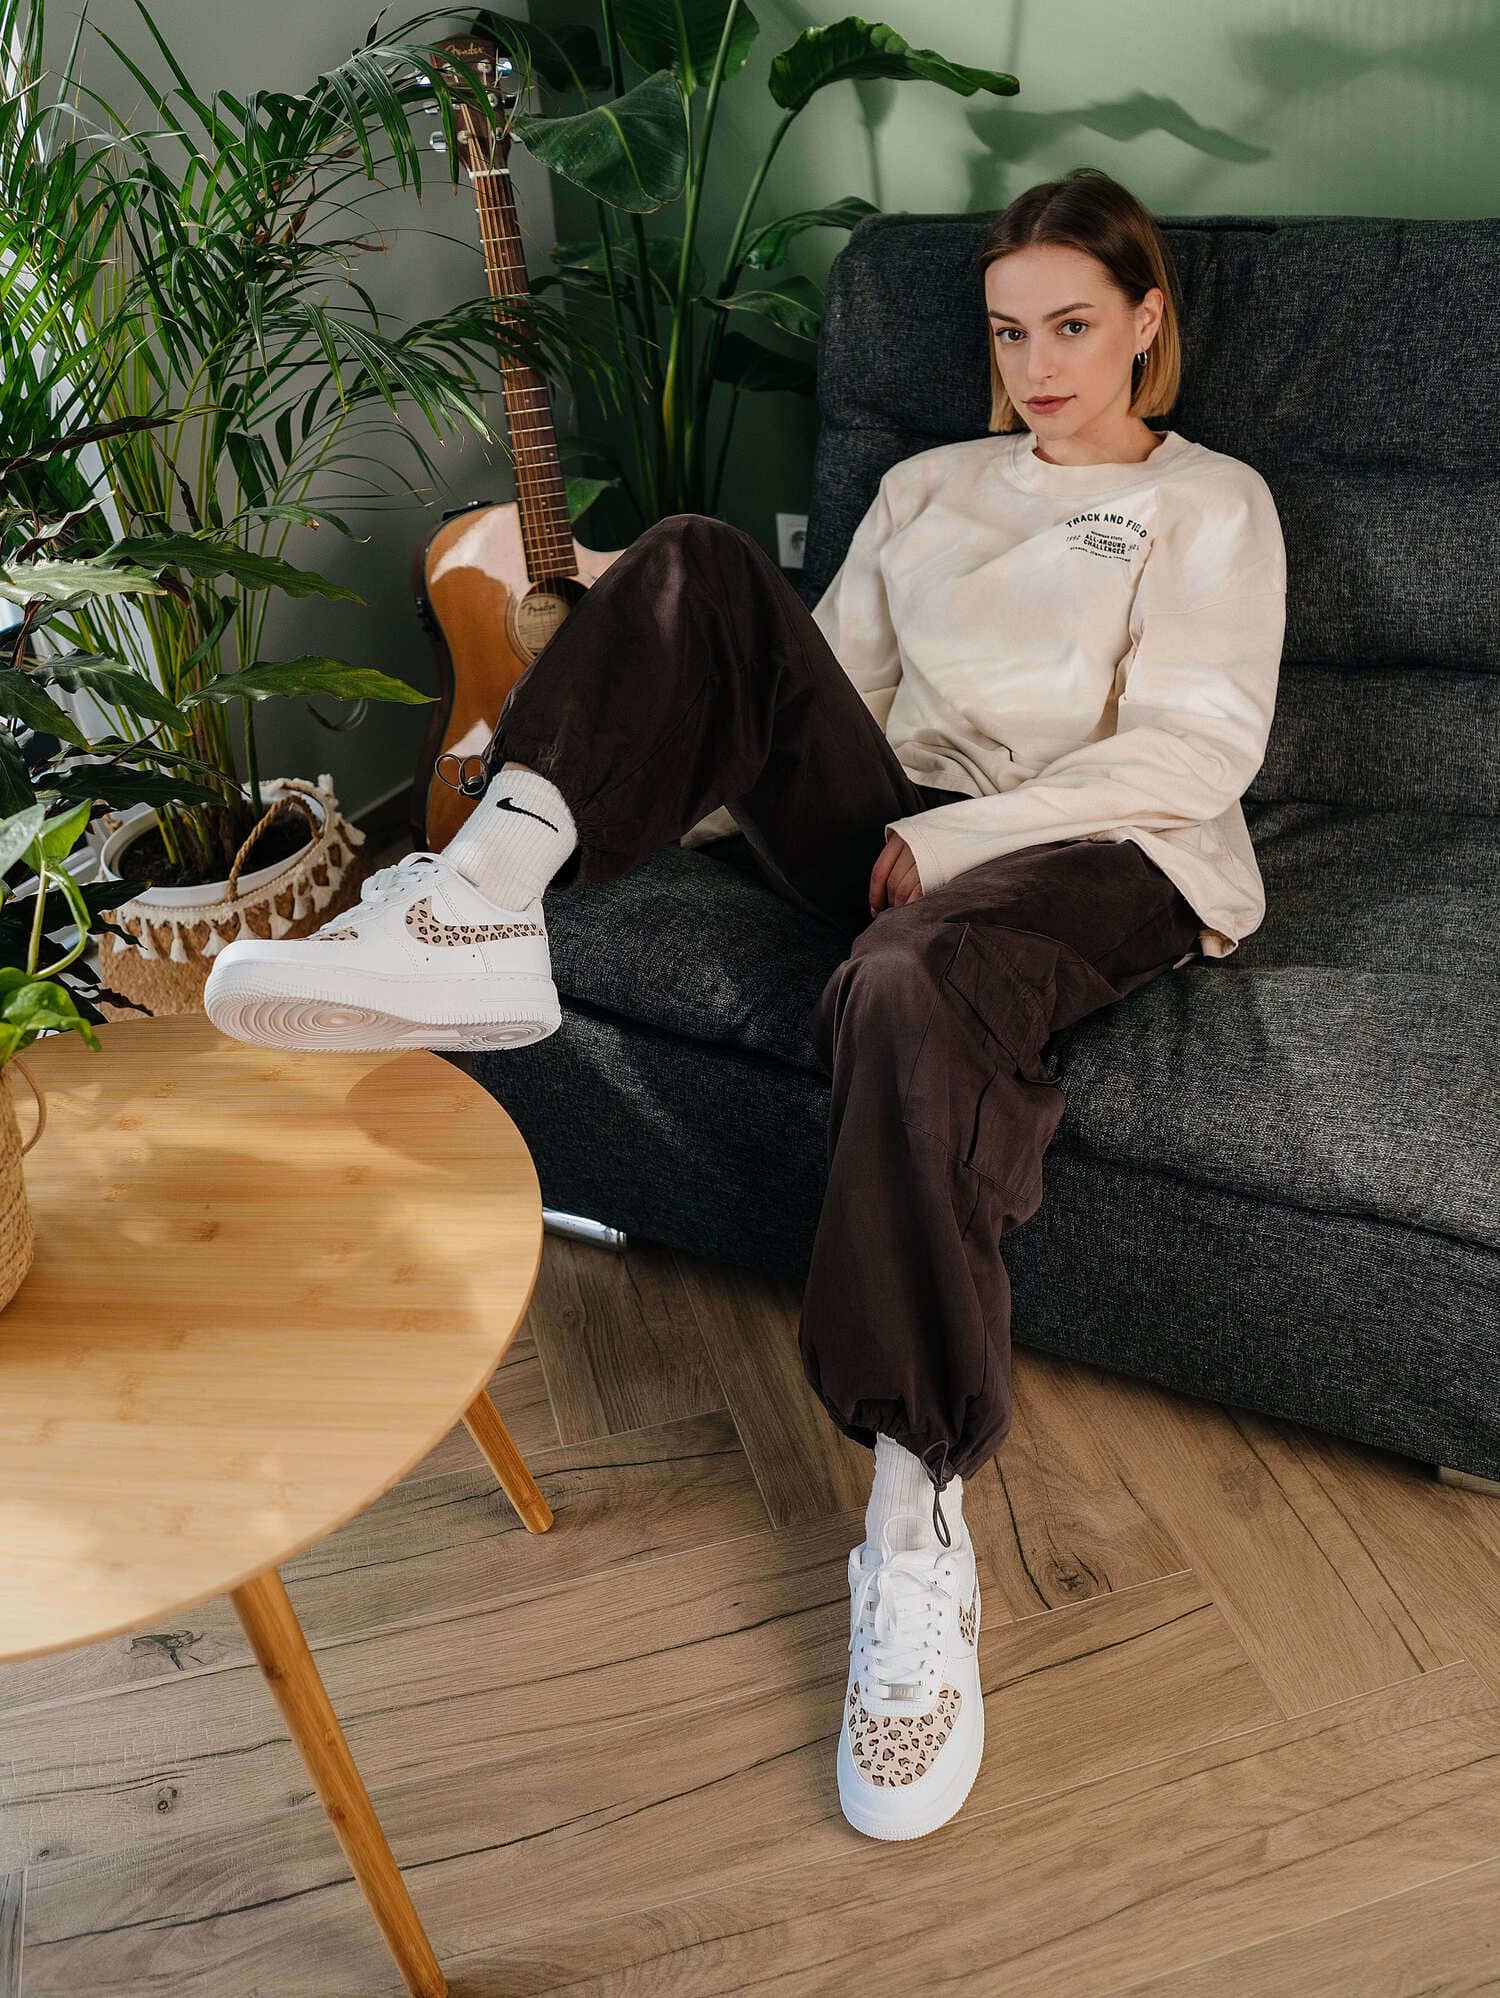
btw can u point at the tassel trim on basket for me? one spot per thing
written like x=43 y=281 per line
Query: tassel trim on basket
x=227 y=920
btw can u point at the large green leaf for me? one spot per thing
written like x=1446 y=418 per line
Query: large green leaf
x=793 y=303
x=17 y=791
x=118 y=786
x=856 y=48
x=312 y=673
x=631 y=152
x=767 y=248
x=62 y=834
x=582 y=489
x=112 y=682
x=37 y=1003
x=201 y=556
x=684 y=35
x=20 y=695
x=75 y=582
x=17 y=832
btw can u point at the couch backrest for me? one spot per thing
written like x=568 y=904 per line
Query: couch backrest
x=1353 y=362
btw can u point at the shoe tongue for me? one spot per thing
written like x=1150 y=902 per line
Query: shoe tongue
x=910 y=1533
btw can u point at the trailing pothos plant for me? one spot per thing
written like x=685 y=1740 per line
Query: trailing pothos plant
x=188 y=363
x=52 y=772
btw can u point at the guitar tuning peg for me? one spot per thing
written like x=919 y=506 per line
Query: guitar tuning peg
x=438 y=143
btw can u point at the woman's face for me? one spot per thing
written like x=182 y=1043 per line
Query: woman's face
x=1061 y=328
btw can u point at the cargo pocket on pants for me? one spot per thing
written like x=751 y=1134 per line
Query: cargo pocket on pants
x=979 y=1083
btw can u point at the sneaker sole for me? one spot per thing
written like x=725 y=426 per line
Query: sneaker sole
x=250 y=1002
x=874 y=1821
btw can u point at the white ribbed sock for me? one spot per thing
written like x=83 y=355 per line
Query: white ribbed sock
x=515 y=839
x=902 y=1485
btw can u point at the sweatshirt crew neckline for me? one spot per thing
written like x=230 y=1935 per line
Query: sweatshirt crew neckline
x=1025 y=469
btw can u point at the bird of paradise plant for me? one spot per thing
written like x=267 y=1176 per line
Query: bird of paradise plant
x=673 y=332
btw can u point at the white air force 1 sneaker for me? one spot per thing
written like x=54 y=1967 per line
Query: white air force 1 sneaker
x=913 y=1731
x=423 y=961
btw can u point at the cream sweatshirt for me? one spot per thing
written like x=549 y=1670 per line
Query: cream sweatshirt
x=1086 y=650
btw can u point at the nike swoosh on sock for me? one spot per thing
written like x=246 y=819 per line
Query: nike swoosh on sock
x=506 y=805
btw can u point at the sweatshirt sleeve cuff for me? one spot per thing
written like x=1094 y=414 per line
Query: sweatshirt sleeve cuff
x=929 y=872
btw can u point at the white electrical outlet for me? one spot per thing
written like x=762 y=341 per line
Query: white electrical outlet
x=791 y=538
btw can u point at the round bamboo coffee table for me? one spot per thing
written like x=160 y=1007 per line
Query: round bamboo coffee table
x=266 y=1284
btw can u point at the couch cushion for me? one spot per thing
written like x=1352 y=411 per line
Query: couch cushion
x=1347 y=1092
x=694 y=941
x=1344 y=1059
x=1377 y=891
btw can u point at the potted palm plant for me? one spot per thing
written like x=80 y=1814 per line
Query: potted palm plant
x=181 y=294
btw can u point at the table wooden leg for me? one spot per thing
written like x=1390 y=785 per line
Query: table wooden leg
x=12 y=1921
x=275 y=1635
x=482 y=1419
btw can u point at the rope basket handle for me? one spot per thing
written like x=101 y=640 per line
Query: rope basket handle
x=291 y=800
x=41 y=1102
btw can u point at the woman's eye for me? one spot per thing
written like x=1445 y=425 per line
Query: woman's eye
x=1016 y=329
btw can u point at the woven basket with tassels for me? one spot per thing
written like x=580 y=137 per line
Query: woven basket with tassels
x=17 y=1235
x=180 y=931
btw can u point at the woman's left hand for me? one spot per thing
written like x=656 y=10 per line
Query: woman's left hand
x=894 y=879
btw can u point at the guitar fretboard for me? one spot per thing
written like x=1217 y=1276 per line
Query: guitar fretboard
x=541 y=500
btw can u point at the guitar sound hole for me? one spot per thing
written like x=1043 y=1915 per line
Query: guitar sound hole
x=536 y=615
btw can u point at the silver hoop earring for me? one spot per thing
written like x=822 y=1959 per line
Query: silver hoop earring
x=1142 y=356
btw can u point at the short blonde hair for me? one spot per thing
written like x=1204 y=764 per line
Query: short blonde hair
x=1088 y=210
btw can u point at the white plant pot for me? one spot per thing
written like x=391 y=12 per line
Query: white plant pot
x=179 y=931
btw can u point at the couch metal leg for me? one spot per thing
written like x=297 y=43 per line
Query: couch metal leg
x=1468 y=1481
x=582 y=1229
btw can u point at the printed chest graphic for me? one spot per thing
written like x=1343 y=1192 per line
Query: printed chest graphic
x=1112 y=537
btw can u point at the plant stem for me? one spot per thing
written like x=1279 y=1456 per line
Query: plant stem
x=697 y=174
x=729 y=276
x=734 y=407
x=654 y=468
x=252 y=766
x=34 y=944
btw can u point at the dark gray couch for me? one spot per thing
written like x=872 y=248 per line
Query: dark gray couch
x=1275 y=1183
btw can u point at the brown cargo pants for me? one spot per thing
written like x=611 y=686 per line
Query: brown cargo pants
x=692 y=675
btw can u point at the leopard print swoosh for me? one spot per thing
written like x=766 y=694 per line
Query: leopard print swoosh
x=432 y=929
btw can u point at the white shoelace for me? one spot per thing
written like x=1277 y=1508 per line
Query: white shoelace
x=400 y=874
x=383 y=882
x=904 y=1613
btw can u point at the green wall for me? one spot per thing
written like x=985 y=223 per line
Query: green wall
x=1377 y=108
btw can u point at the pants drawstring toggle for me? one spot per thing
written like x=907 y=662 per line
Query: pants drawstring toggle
x=939 y=1524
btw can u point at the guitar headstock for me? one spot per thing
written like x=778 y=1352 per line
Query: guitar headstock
x=480 y=145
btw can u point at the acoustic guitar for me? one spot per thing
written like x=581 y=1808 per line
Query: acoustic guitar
x=496 y=578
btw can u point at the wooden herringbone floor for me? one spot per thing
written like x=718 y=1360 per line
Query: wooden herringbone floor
x=1242 y=1688
x=1240 y=1679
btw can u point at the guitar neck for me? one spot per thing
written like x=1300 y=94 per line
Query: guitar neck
x=541 y=499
